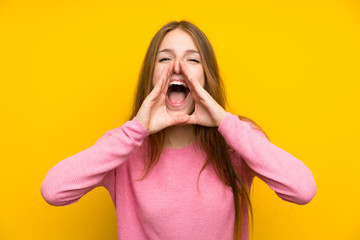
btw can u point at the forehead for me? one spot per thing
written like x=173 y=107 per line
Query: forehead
x=179 y=40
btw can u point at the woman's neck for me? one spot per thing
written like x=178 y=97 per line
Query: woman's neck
x=179 y=136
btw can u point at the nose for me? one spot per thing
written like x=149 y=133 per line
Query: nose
x=177 y=69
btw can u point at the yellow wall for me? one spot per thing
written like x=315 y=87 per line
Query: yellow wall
x=68 y=70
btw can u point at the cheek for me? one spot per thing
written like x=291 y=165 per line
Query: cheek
x=200 y=75
x=202 y=79
x=156 y=75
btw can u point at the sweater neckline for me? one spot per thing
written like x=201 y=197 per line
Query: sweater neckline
x=181 y=150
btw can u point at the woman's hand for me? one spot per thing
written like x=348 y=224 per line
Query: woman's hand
x=153 y=114
x=207 y=111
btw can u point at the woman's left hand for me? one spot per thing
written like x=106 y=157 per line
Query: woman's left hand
x=207 y=111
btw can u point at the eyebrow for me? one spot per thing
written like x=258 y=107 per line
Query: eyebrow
x=172 y=50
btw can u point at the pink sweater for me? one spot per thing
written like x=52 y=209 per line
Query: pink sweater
x=167 y=203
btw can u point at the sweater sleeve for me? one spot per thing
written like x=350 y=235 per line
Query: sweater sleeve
x=73 y=177
x=289 y=177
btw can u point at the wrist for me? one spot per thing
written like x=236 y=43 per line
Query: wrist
x=141 y=122
x=221 y=117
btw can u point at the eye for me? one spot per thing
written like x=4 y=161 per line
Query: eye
x=164 y=59
x=194 y=60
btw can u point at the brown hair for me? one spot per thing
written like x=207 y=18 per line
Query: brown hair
x=209 y=138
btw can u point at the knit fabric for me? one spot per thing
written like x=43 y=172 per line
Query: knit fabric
x=170 y=203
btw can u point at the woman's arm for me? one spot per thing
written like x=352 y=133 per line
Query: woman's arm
x=289 y=177
x=286 y=175
x=74 y=176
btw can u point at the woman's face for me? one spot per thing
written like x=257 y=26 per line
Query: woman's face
x=177 y=46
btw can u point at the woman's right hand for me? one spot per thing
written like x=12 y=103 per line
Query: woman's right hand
x=153 y=114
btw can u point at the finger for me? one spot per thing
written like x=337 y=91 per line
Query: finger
x=188 y=76
x=181 y=119
x=159 y=85
x=167 y=78
x=192 y=119
x=188 y=80
x=198 y=92
x=194 y=83
x=164 y=75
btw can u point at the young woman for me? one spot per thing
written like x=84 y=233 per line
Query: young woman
x=182 y=166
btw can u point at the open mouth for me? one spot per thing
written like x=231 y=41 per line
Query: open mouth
x=177 y=92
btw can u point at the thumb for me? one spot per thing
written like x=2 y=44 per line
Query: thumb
x=192 y=119
x=181 y=119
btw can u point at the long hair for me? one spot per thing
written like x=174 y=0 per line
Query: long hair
x=209 y=138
